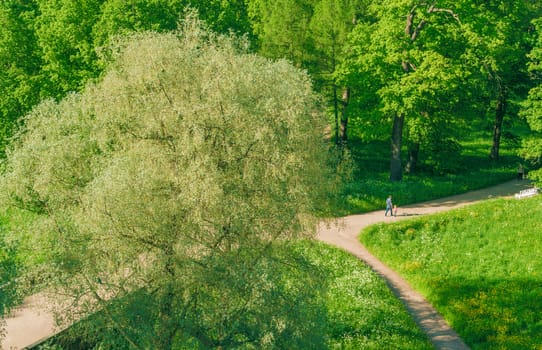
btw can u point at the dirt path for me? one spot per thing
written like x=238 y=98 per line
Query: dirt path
x=28 y=325
x=344 y=235
x=31 y=323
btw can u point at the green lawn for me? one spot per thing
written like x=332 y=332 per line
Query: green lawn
x=480 y=266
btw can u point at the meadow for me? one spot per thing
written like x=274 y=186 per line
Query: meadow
x=479 y=266
x=362 y=311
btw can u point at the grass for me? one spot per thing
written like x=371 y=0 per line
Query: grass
x=479 y=266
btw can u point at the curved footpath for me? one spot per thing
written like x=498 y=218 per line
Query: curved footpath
x=31 y=323
x=344 y=235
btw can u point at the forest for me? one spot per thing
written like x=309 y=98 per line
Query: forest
x=420 y=74
x=165 y=153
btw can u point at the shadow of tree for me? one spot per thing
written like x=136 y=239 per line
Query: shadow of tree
x=492 y=314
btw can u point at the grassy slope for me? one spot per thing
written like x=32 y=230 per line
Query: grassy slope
x=479 y=266
x=363 y=313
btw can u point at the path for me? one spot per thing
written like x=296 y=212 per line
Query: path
x=30 y=323
x=345 y=233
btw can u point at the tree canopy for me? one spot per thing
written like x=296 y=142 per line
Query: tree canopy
x=451 y=65
x=169 y=185
x=51 y=48
x=531 y=108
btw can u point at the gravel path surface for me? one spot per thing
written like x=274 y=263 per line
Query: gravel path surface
x=31 y=323
x=344 y=235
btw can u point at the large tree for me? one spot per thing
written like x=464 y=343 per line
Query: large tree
x=500 y=37
x=407 y=70
x=167 y=193
x=532 y=107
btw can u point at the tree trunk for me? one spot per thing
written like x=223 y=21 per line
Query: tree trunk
x=413 y=155
x=500 y=111
x=344 y=115
x=336 y=112
x=396 y=140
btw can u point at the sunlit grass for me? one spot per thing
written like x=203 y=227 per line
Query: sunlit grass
x=479 y=266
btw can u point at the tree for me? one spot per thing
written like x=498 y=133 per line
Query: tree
x=531 y=108
x=49 y=48
x=64 y=33
x=20 y=62
x=282 y=28
x=224 y=16
x=499 y=33
x=405 y=67
x=312 y=34
x=169 y=190
x=331 y=23
x=8 y=273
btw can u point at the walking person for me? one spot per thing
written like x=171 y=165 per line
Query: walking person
x=389 y=206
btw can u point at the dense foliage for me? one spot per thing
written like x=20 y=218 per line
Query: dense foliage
x=532 y=107
x=49 y=48
x=418 y=74
x=166 y=185
x=479 y=266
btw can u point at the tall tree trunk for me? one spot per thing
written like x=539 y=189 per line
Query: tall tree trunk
x=413 y=155
x=336 y=112
x=412 y=32
x=344 y=115
x=500 y=111
x=396 y=141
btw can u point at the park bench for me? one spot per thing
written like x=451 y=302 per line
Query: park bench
x=527 y=193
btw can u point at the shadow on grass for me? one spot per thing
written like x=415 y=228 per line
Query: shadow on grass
x=492 y=314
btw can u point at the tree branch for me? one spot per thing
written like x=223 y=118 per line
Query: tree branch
x=416 y=31
x=410 y=21
x=455 y=16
